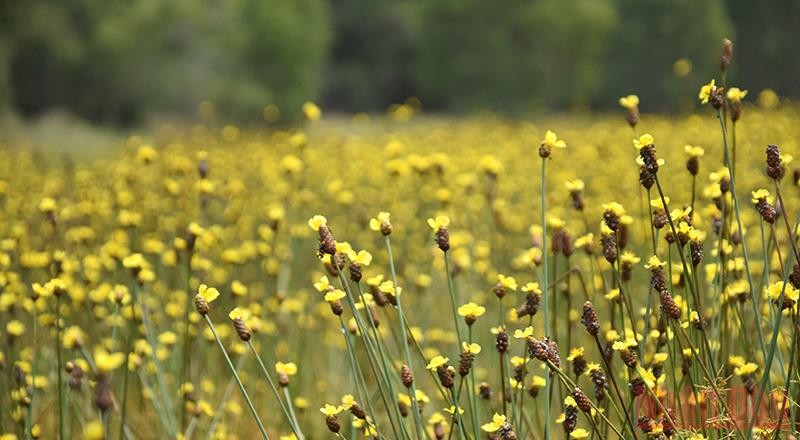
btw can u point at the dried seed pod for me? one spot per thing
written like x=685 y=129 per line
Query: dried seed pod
x=659 y=218
x=333 y=424
x=696 y=248
x=629 y=357
x=717 y=98
x=358 y=411
x=326 y=242
x=577 y=200
x=355 y=272
x=386 y=227
x=600 y=383
x=465 y=363
x=693 y=165
x=570 y=419
x=646 y=178
x=775 y=168
x=406 y=376
x=649 y=158
x=446 y=376
x=538 y=349
x=438 y=431
x=579 y=365
x=485 y=391
x=589 y=318
x=794 y=277
x=766 y=210
x=611 y=219
x=637 y=386
x=727 y=54
x=102 y=393
x=501 y=342
x=201 y=305
x=336 y=307
x=658 y=279
x=668 y=305
x=584 y=404
x=442 y=238
x=609 y=248
x=242 y=329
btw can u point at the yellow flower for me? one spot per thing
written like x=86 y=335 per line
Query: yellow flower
x=575 y=353
x=238 y=288
x=507 y=282
x=348 y=401
x=532 y=288
x=334 y=295
x=134 y=261
x=208 y=293
x=311 y=111
x=551 y=140
x=629 y=257
x=388 y=288
x=472 y=348
x=317 y=221
x=584 y=240
x=579 y=433
x=437 y=362
x=736 y=361
x=644 y=140
x=47 y=205
x=375 y=223
x=239 y=313
x=471 y=310
x=289 y=368
x=706 y=91
x=452 y=410
x=774 y=291
x=748 y=368
x=15 y=328
x=362 y=258
x=168 y=338
x=760 y=194
x=736 y=94
x=94 y=431
x=436 y=418
x=106 y=361
x=630 y=102
x=73 y=337
x=323 y=284
x=575 y=185
x=497 y=423
x=694 y=151
x=654 y=263
x=523 y=334
x=647 y=376
x=622 y=345
x=329 y=410
x=441 y=221
x=539 y=381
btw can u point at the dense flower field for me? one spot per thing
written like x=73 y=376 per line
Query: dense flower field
x=410 y=277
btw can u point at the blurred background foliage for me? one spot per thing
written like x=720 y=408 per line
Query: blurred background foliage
x=117 y=62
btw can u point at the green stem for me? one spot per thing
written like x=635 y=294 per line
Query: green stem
x=403 y=338
x=236 y=377
x=61 y=402
x=293 y=423
x=547 y=329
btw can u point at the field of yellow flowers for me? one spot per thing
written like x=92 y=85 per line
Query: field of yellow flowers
x=598 y=276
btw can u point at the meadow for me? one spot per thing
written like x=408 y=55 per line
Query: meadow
x=410 y=277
